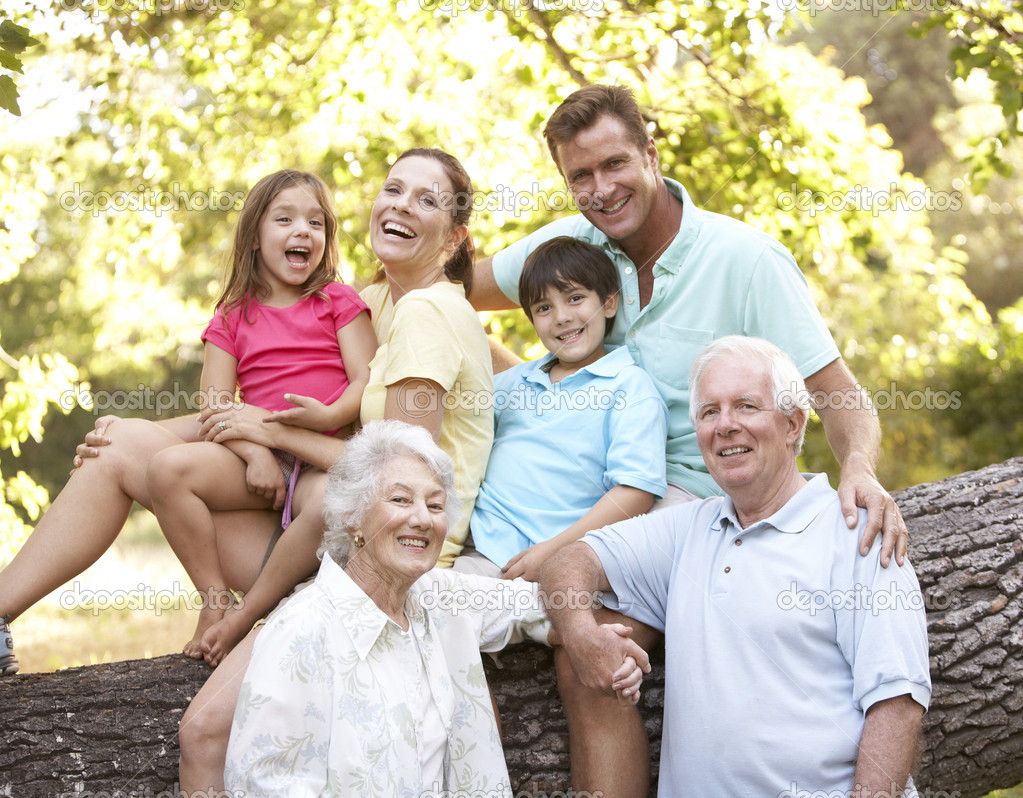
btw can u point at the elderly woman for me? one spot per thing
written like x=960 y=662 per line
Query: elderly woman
x=370 y=682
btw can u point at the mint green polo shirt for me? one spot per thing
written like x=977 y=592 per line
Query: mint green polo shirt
x=718 y=277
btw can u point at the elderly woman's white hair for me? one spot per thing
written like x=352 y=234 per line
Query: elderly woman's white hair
x=354 y=481
x=788 y=387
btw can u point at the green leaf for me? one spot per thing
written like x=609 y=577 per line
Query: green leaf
x=14 y=37
x=10 y=61
x=9 y=95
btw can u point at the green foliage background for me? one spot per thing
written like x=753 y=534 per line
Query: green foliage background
x=177 y=107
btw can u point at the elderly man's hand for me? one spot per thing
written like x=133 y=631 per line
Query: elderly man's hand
x=861 y=489
x=608 y=659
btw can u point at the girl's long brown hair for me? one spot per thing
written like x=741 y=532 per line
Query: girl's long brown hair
x=244 y=283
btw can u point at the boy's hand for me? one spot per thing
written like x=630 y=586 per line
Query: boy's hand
x=264 y=477
x=310 y=413
x=528 y=563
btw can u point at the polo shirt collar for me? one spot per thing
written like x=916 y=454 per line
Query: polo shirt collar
x=616 y=359
x=797 y=514
x=364 y=621
x=692 y=220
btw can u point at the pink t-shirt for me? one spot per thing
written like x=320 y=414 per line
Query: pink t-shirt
x=288 y=350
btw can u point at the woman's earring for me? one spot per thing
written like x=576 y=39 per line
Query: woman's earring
x=359 y=542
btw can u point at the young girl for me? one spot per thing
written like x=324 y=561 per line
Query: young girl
x=297 y=343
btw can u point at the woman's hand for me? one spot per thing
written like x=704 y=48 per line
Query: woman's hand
x=627 y=679
x=309 y=413
x=236 y=423
x=94 y=438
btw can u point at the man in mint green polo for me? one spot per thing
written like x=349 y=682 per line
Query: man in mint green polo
x=688 y=276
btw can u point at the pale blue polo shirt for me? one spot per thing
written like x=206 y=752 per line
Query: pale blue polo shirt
x=718 y=277
x=778 y=638
x=559 y=448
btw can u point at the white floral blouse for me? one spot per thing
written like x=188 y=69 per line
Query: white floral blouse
x=327 y=705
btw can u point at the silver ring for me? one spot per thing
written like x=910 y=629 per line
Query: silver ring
x=222 y=425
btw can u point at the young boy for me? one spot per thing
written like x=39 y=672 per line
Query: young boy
x=579 y=435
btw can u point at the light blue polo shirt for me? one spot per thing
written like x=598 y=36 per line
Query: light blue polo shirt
x=718 y=277
x=778 y=638
x=559 y=448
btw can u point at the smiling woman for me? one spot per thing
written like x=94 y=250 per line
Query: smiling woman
x=371 y=678
x=433 y=364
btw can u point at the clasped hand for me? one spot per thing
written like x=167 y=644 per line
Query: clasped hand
x=236 y=423
x=608 y=659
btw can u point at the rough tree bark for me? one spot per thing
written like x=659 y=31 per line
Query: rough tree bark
x=110 y=730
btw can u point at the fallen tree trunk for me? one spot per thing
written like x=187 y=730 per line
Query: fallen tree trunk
x=111 y=730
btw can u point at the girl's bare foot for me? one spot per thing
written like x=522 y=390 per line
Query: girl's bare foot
x=216 y=603
x=225 y=634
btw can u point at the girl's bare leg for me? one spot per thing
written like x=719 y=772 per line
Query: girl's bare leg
x=186 y=484
x=292 y=560
x=87 y=515
x=206 y=725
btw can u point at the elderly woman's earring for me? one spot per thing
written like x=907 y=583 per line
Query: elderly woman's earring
x=358 y=541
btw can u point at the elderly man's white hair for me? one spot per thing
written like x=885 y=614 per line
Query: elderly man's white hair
x=354 y=481
x=788 y=387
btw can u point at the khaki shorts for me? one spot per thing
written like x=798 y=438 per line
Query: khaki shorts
x=470 y=561
x=674 y=496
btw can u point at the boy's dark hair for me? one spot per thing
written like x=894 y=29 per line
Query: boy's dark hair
x=561 y=262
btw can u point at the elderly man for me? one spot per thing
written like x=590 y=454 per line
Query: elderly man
x=794 y=666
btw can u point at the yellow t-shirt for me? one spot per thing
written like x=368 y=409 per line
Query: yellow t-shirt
x=434 y=334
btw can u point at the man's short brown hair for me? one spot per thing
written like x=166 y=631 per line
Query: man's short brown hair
x=582 y=108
